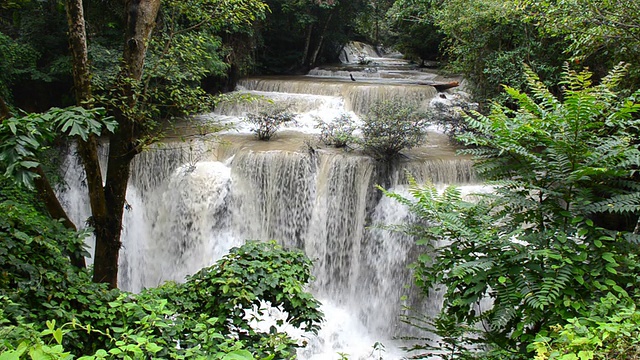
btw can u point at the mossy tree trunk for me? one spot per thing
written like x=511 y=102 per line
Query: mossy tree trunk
x=124 y=143
x=107 y=202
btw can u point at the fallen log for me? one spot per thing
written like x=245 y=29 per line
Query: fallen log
x=445 y=86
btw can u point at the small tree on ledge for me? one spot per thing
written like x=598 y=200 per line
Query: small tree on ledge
x=267 y=122
x=391 y=126
x=339 y=132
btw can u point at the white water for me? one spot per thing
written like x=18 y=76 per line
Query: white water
x=192 y=201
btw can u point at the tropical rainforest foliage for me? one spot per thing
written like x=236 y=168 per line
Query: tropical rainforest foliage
x=486 y=40
x=51 y=309
x=546 y=264
x=550 y=241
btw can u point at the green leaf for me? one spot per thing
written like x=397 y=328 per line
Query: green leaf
x=12 y=127
x=29 y=164
x=238 y=355
x=609 y=257
x=153 y=347
x=585 y=354
x=57 y=335
x=12 y=354
x=569 y=357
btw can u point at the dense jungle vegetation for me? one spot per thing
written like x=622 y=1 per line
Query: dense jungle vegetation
x=554 y=249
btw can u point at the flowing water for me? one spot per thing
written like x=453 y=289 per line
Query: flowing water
x=190 y=201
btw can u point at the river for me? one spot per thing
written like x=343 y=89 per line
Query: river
x=194 y=196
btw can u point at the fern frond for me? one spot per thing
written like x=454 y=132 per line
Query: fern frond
x=615 y=76
x=619 y=204
x=526 y=103
x=472 y=267
x=575 y=81
x=539 y=90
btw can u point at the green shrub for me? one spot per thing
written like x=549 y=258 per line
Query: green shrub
x=610 y=331
x=17 y=62
x=391 y=126
x=267 y=122
x=449 y=114
x=49 y=307
x=339 y=132
x=207 y=315
x=542 y=247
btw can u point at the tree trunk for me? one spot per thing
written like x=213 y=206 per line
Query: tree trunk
x=56 y=211
x=78 y=45
x=141 y=20
x=4 y=110
x=107 y=203
x=314 y=58
x=123 y=146
x=82 y=88
x=307 y=45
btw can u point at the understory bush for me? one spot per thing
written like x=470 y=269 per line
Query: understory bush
x=610 y=331
x=339 y=132
x=553 y=237
x=268 y=121
x=391 y=126
x=448 y=114
x=51 y=310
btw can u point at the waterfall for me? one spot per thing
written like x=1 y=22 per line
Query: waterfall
x=353 y=51
x=297 y=103
x=189 y=202
x=337 y=73
x=358 y=96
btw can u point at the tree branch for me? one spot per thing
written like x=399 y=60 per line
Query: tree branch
x=55 y=209
x=4 y=110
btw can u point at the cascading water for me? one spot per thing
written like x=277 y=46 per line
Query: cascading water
x=189 y=202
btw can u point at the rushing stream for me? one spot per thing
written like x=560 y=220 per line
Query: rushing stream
x=190 y=201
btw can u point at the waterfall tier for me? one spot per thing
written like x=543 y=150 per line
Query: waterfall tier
x=358 y=96
x=188 y=202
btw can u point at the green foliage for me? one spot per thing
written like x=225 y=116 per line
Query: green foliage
x=391 y=126
x=16 y=61
x=50 y=308
x=338 y=132
x=34 y=251
x=186 y=48
x=221 y=16
x=610 y=331
x=573 y=155
x=268 y=121
x=298 y=34
x=599 y=34
x=248 y=276
x=413 y=29
x=541 y=248
x=485 y=40
x=49 y=344
x=22 y=139
x=33 y=54
x=370 y=23
x=207 y=314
